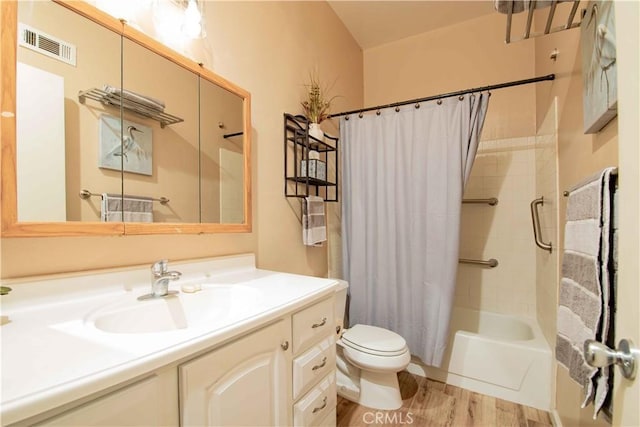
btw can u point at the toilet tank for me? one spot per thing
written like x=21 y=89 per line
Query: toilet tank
x=341 y=303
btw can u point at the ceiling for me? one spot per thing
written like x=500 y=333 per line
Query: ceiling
x=373 y=23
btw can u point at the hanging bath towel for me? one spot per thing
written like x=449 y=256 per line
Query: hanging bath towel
x=314 y=229
x=586 y=295
x=117 y=208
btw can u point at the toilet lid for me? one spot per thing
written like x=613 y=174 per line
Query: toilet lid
x=374 y=340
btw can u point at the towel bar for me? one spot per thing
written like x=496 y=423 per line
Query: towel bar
x=231 y=135
x=491 y=263
x=85 y=194
x=492 y=201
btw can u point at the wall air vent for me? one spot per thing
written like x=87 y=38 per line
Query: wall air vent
x=45 y=44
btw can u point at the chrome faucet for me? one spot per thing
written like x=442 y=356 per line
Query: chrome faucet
x=160 y=277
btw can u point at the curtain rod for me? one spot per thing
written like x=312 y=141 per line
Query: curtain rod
x=447 y=95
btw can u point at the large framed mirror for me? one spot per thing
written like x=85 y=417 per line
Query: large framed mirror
x=120 y=136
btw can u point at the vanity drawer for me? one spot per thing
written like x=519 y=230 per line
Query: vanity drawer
x=312 y=324
x=312 y=365
x=315 y=406
x=330 y=420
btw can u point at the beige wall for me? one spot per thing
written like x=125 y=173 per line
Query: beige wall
x=466 y=55
x=579 y=156
x=268 y=48
x=297 y=38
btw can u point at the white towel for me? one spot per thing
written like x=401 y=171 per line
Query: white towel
x=588 y=271
x=314 y=229
x=147 y=101
x=116 y=208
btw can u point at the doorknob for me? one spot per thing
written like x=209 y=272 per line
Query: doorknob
x=599 y=355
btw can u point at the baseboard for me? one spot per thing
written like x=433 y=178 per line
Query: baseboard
x=555 y=418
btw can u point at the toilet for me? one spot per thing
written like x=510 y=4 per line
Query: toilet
x=368 y=360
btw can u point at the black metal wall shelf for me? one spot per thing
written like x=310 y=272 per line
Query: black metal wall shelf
x=297 y=145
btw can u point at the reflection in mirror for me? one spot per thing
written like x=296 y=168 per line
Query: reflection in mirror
x=159 y=160
x=57 y=137
x=71 y=135
x=221 y=154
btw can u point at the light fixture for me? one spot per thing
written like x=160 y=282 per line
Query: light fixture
x=192 y=23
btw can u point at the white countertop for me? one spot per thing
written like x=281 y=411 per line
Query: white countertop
x=52 y=354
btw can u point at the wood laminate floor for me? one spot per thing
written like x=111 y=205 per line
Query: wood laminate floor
x=431 y=403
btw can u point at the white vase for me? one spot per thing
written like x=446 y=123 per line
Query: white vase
x=316 y=132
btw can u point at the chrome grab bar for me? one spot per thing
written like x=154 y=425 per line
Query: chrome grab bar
x=492 y=201
x=491 y=263
x=535 y=218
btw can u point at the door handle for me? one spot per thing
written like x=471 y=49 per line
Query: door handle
x=599 y=355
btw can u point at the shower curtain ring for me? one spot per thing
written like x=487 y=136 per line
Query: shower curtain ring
x=439 y=102
x=377 y=112
x=360 y=115
x=417 y=105
x=461 y=97
x=397 y=109
x=346 y=117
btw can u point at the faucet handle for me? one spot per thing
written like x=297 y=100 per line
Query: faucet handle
x=160 y=267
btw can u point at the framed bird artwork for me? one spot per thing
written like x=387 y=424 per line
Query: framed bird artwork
x=135 y=155
x=599 y=68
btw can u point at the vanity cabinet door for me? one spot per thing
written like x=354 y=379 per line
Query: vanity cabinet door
x=149 y=402
x=246 y=382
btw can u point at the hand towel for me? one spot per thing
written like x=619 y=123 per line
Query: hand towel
x=588 y=269
x=116 y=208
x=147 y=101
x=314 y=229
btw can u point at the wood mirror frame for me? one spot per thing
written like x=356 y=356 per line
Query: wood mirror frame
x=11 y=227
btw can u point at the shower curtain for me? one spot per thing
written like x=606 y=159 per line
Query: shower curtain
x=403 y=175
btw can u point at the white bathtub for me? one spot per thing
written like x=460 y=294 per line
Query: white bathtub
x=497 y=355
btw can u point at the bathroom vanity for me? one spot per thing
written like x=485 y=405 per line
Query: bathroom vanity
x=238 y=345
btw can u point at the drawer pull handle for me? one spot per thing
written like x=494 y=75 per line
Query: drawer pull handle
x=320 y=408
x=321 y=324
x=321 y=365
x=285 y=345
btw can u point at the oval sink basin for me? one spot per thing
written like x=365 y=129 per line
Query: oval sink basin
x=213 y=304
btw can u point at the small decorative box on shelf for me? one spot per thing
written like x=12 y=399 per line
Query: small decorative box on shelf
x=313 y=168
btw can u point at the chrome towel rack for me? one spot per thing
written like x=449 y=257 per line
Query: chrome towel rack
x=85 y=194
x=537 y=232
x=569 y=23
x=491 y=263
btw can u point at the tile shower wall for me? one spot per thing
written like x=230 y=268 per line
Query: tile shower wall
x=506 y=169
x=547 y=274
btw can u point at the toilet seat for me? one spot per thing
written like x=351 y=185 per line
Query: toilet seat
x=374 y=341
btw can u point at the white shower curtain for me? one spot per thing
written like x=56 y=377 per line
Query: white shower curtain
x=404 y=174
